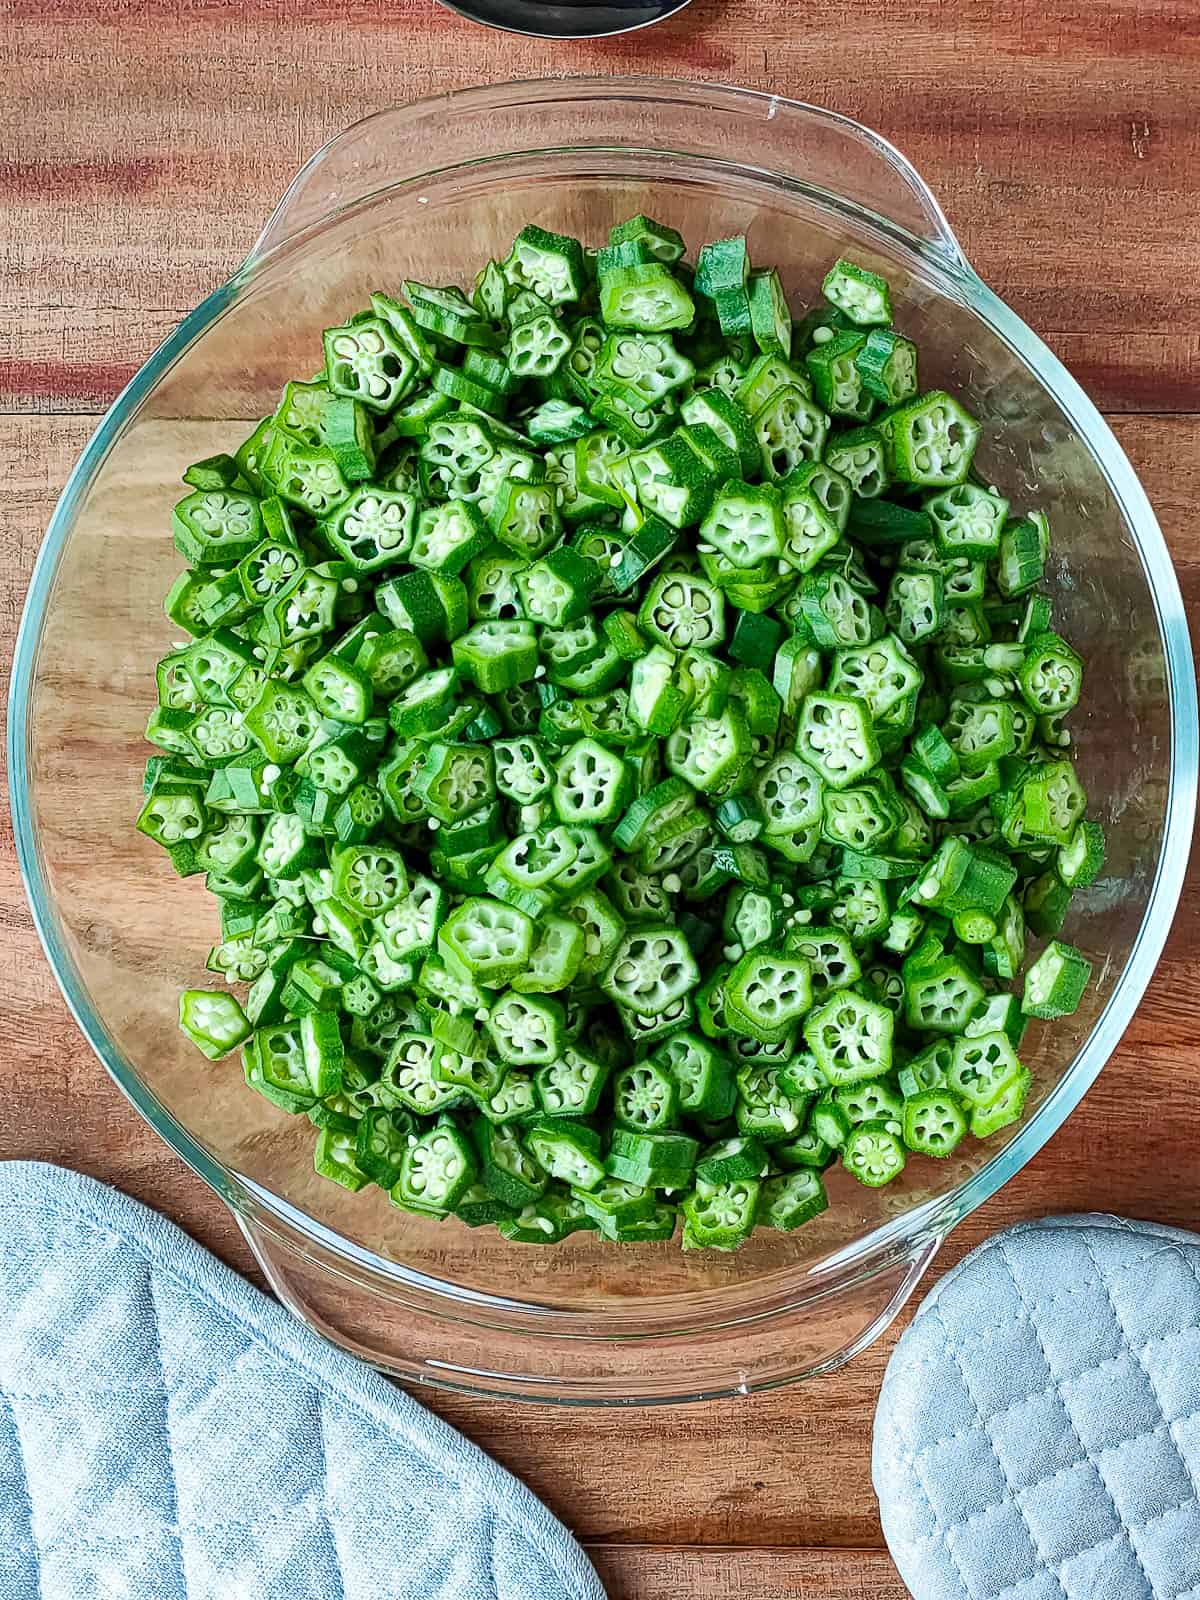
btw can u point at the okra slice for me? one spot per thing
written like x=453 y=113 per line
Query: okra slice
x=653 y=1160
x=874 y=1154
x=881 y=673
x=1021 y=562
x=732 y=1160
x=790 y=429
x=655 y=238
x=861 y=295
x=835 y=736
x=571 y=1086
x=916 y=604
x=832 y=960
x=591 y=784
x=556 y=956
x=650 y=967
x=486 y=941
x=767 y=993
x=967 y=520
x=720 y=1216
x=373 y=528
x=523 y=773
x=645 y=296
x=217 y=525
x=765 y=376
x=930 y=440
x=1050 y=676
x=496 y=655
x=729 y=421
x=568 y=1151
x=887 y=365
x=941 y=997
x=436 y=1171
x=645 y=1098
x=746 y=524
x=1055 y=983
x=860 y=457
x=983 y=1066
x=709 y=751
x=409 y=926
x=454 y=780
x=835 y=614
x=682 y=611
x=836 y=380
x=766 y=1108
x=336 y=1157
x=1080 y=861
x=790 y=1200
x=551 y=264
x=704 y=1075
x=851 y=1037
x=410 y=1075
x=526 y=1030
x=213 y=1020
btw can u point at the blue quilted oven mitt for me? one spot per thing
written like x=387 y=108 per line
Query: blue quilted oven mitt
x=1038 y=1432
x=168 y=1433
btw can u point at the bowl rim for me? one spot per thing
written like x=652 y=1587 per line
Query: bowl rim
x=915 y=1227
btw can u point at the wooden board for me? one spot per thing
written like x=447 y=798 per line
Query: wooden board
x=145 y=147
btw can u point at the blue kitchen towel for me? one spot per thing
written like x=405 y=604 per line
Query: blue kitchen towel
x=168 y=1433
x=1038 y=1432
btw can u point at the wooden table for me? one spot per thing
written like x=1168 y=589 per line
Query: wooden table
x=144 y=144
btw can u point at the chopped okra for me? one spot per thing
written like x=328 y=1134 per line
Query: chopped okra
x=625 y=733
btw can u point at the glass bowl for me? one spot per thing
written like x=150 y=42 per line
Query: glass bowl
x=430 y=190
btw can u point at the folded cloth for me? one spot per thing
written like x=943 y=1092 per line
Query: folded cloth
x=1038 y=1432
x=168 y=1433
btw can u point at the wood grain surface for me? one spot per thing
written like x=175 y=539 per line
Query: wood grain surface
x=144 y=144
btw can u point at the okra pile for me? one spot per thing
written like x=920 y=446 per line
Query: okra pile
x=626 y=740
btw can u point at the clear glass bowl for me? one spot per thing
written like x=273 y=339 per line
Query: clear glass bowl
x=430 y=190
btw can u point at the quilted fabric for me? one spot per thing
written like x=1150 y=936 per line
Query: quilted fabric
x=168 y=1433
x=1038 y=1432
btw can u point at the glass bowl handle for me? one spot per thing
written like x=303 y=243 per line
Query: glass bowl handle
x=402 y=1328
x=847 y=164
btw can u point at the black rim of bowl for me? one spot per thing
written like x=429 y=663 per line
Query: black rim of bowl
x=569 y=19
